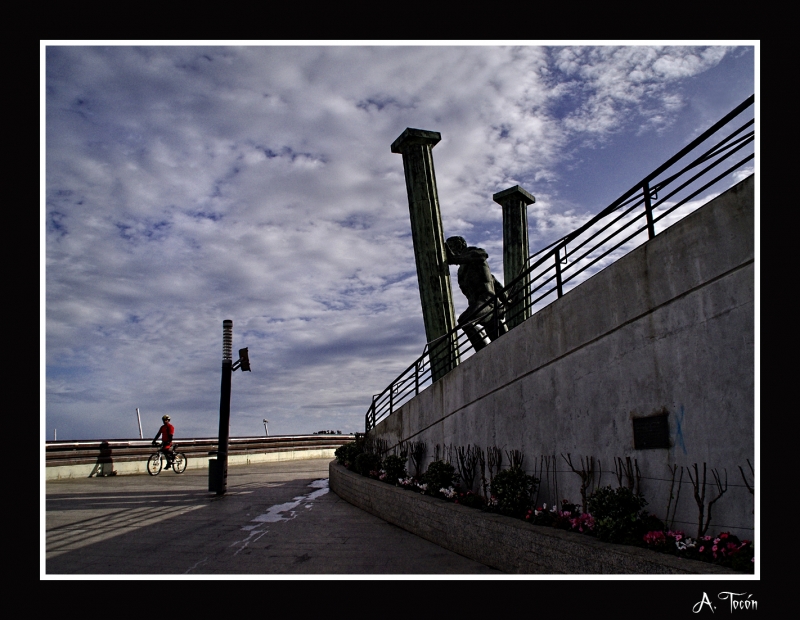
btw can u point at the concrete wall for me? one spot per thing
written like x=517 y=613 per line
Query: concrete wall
x=667 y=328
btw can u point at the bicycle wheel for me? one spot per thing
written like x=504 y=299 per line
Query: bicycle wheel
x=179 y=463
x=154 y=464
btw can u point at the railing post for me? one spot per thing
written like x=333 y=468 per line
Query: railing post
x=370 y=419
x=496 y=317
x=557 y=255
x=416 y=377
x=391 y=399
x=648 y=210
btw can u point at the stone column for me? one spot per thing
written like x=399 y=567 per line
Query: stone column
x=515 y=201
x=433 y=273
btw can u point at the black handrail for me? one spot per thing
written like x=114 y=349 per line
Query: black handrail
x=640 y=202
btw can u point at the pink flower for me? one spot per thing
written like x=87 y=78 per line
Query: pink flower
x=655 y=538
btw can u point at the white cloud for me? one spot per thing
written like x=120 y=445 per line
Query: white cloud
x=187 y=185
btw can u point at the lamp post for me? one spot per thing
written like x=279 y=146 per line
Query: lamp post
x=218 y=468
x=266 y=430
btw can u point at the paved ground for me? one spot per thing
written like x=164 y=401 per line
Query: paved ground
x=276 y=518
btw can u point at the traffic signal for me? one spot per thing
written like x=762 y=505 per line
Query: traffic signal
x=244 y=359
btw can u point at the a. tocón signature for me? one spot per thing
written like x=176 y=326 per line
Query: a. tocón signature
x=737 y=602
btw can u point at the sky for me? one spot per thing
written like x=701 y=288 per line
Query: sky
x=187 y=184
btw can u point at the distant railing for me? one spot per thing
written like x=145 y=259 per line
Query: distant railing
x=702 y=169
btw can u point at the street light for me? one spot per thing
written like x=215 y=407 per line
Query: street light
x=266 y=430
x=218 y=467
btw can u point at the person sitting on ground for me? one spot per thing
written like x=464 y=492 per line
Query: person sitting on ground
x=167 y=431
x=482 y=290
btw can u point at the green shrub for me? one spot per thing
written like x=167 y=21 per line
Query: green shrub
x=367 y=462
x=471 y=500
x=618 y=515
x=347 y=453
x=395 y=468
x=512 y=489
x=743 y=560
x=440 y=475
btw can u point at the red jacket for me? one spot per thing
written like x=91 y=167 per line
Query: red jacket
x=166 y=432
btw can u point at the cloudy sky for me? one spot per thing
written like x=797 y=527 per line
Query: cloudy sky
x=187 y=184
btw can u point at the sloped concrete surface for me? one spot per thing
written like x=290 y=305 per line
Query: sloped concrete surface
x=276 y=519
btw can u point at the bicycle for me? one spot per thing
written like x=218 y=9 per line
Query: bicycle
x=156 y=462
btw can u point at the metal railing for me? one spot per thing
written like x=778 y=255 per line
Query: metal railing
x=701 y=169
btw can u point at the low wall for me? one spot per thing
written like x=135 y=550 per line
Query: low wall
x=666 y=331
x=61 y=472
x=87 y=459
x=507 y=544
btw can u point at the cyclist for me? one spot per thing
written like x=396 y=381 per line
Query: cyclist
x=166 y=431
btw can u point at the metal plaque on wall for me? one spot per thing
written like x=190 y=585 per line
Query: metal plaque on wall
x=651 y=432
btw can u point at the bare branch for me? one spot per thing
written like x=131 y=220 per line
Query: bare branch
x=418 y=450
x=494 y=458
x=467 y=462
x=721 y=490
x=586 y=474
x=482 y=463
x=515 y=459
x=752 y=472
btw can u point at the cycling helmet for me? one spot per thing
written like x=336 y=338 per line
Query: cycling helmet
x=165 y=418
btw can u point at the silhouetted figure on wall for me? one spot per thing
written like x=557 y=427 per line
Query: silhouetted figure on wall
x=105 y=463
x=484 y=293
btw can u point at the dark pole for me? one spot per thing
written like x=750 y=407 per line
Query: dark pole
x=220 y=485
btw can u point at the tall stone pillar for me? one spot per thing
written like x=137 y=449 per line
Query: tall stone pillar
x=433 y=273
x=515 y=201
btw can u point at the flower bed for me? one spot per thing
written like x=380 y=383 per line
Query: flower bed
x=508 y=544
x=614 y=515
